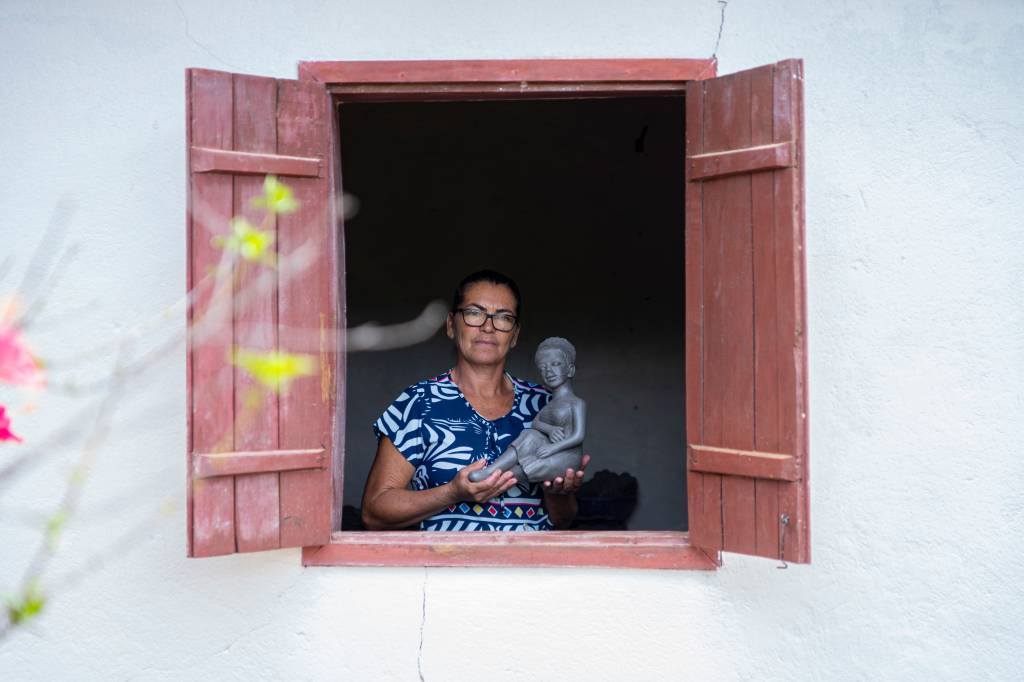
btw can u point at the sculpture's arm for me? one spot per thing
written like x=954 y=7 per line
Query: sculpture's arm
x=579 y=421
x=539 y=424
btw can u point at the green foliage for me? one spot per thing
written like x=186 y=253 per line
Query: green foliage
x=54 y=526
x=26 y=606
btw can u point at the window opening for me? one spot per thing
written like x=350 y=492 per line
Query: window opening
x=581 y=201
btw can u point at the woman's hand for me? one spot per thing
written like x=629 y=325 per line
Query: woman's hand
x=570 y=483
x=556 y=434
x=464 y=489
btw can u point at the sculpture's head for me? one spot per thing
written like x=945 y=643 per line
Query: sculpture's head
x=556 y=360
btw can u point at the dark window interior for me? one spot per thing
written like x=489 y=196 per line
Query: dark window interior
x=581 y=201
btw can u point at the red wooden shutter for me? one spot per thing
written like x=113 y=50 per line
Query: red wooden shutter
x=259 y=473
x=746 y=344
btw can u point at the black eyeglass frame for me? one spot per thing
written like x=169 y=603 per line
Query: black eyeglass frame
x=488 y=316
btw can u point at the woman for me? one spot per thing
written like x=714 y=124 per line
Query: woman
x=438 y=431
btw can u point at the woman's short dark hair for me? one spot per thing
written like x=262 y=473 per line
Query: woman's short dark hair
x=491 y=276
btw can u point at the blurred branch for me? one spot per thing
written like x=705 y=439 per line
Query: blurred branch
x=40 y=276
x=372 y=337
x=29 y=587
x=117 y=549
x=217 y=300
x=41 y=298
x=36 y=454
x=5 y=266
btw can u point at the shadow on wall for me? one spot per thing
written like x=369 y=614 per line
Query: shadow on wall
x=580 y=201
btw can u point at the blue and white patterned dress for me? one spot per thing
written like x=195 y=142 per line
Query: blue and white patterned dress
x=434 y=427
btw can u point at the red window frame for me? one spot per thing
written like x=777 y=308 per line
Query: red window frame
x=452 y=80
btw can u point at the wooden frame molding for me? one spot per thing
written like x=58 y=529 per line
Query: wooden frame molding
x=507 y=71
x=512 y=79
x=636 y=549
x=491 y=80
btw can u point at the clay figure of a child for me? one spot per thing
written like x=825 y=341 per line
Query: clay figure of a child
x=554 y=441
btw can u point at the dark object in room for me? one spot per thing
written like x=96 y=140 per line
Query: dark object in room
x=606 y=501
x=352 y=518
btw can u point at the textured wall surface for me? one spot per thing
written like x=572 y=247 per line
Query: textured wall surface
x=914 y=185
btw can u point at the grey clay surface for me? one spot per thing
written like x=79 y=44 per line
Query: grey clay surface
x=554 y=441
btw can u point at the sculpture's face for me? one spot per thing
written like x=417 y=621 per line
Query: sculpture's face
x=554 y=367
x=484 y=345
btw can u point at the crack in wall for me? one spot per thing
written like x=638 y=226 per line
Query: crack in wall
x=721 y=24
x=195 y=42
x=423 y=624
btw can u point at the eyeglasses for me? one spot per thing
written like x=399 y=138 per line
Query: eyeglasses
x=474 y=317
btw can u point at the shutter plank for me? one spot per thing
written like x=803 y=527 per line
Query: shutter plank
x=792 y=297
x=702 y=491
x=711 y=511
x=766 y=347
x=728 y=264
x=257 y=504
x=212 y=509
x=308 y=317
x=739 y=520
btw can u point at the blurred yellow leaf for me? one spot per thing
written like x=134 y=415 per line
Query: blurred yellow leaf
x=274 y=369
x=249 y=242
x=277 y=197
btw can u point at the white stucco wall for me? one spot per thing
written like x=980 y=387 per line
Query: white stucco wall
x=914 y=185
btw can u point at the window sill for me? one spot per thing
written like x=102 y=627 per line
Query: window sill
x=636 y=549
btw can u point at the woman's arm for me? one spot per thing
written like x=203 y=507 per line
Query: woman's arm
x=388 y=504
x=561 y=508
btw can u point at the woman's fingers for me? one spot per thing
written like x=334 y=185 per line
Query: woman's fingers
x=507 y=485
x=492 y=486
x=569 y=483
x=570 y=480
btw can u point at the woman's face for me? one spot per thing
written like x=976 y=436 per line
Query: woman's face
x=484 y=345
x=555 y=370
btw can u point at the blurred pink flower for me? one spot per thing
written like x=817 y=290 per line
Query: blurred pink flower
x=17 y=364
x=5 y=427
